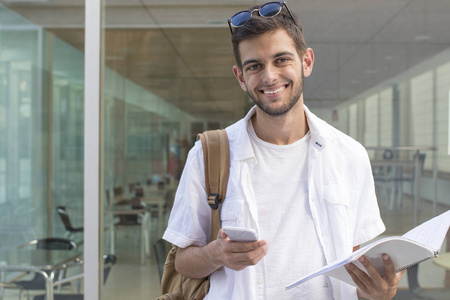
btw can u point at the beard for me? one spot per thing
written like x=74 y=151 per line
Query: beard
x=286 y=107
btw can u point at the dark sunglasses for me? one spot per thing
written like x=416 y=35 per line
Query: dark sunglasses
x=268 y=10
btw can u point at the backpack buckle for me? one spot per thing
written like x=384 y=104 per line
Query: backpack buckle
x=213 y=201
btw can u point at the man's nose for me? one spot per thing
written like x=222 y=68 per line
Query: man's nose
x=270 y=74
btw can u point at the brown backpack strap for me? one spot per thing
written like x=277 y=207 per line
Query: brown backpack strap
x=216 y=155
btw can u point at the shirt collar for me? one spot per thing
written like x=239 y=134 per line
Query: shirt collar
x=242 y=147
x=320 y=134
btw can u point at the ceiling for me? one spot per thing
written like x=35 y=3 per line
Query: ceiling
x=181 y=50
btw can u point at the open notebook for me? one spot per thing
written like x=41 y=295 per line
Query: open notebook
x=417 y=245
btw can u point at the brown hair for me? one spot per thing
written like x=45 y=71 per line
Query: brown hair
x=257 y=25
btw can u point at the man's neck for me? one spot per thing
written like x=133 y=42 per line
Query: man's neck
x=281 y=130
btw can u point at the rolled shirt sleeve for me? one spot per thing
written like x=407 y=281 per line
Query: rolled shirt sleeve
x=190 y=219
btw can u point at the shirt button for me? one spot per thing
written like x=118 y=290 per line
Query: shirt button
x=251 y=160
x=260 y=281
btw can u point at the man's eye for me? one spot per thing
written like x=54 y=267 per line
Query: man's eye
x=282 y=60
x=253 y=67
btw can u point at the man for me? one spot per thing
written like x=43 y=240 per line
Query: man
x=306 y=188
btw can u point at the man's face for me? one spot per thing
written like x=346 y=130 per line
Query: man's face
x=272 y=71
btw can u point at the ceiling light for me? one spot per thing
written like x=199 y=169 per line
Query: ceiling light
x=424 y=37
x=114 y=57
x=125 y=50
x=26 y=1
x=215 y=22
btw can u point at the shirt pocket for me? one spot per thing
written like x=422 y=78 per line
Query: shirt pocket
x=232 y=211
x=337 y=199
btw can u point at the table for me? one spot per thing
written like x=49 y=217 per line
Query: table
x=152 y=196
x=160 y=202
x=416 y=163
x=389 y=171
x=37 y=261
x=152 y=191
x=155 y=196
x=114 y=210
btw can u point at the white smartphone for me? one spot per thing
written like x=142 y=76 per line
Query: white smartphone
x=240 y=234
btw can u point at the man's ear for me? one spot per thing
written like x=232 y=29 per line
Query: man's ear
x=308 y=62
x=239 y=76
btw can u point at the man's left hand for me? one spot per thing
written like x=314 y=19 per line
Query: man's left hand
x=373 y=286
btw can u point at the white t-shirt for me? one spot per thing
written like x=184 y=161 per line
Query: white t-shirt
x=280 y=184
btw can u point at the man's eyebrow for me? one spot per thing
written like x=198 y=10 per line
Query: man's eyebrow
x=283 y=53
x=250 y=61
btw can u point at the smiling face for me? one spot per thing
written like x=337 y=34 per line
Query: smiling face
x=272 y=71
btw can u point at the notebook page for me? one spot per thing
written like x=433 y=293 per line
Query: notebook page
x=432 y=232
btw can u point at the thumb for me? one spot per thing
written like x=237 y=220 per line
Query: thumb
x=221 y=235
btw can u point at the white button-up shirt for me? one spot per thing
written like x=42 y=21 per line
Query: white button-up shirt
x=341 y=196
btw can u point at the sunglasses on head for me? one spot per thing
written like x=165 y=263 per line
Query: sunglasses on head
x=268 y=10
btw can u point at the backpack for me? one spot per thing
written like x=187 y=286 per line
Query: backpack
x=216 y=155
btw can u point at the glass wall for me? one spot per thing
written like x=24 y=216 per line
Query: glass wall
x=41 y=149
x=41 y=132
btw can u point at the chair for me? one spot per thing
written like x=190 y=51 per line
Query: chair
x=135 y=221
x=109 y=261
x=117 y=191
x=391 y=176
x=131 y=187
x=12 y=286
x=125 y=219
x=70 y=230
x=161 y=248
x=118 y=195
x=130 y=220
x=51 y=244
x=38 y=281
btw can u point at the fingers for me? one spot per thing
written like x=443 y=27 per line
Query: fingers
x=239 y=255
x=361 y=279
x=249 y=258
x=372 y=285
x=390 y=274
x=373 y=273
x=240 y=247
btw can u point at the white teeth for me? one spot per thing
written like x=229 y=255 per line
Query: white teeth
x=274 y=92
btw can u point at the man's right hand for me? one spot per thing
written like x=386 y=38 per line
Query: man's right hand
x=199 y=262
x=236 y=255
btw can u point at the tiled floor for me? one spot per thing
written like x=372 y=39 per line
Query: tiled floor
x=129 y=279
